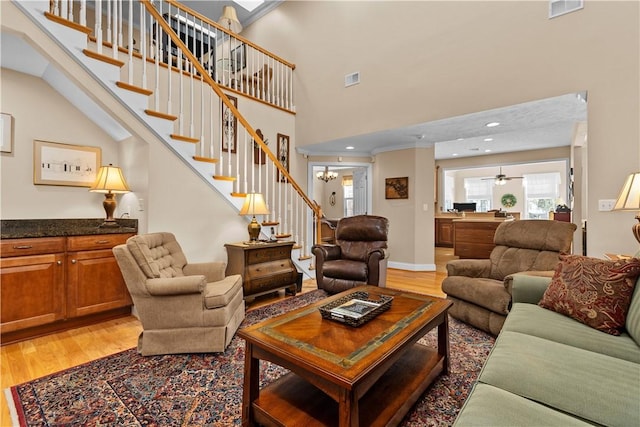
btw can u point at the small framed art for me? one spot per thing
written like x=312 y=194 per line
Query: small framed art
x=65 y=164
x=229 y=126
x=396 y=188
x=283 y=155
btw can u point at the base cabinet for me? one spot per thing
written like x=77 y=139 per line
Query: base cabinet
x=474 y=239
x=444 y=232
x=51 y=284
x=264 y=267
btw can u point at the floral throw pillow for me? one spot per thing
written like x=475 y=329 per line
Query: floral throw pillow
x=593 y=291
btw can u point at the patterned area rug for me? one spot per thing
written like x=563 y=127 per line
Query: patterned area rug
x=206 y=389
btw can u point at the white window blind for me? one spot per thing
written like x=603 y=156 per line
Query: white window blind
x=542 y=185
x=478 y=188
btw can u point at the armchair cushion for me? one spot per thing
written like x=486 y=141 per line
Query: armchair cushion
x=346 y=269
x=157 y=254
x=220 y=293
x=593 y=291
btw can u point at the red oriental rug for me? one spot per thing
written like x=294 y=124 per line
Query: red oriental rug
x=206 y=389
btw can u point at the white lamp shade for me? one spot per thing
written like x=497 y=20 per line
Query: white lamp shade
x=110 y=179
x=629 y=198
x=229 y=19
x=254 y=205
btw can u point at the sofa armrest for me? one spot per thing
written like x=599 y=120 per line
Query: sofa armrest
x=176 y=285
x=469 y=267
x=212 y=271
x=529 y=288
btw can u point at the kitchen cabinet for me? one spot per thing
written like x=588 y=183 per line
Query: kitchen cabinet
x=474 y=238
x=444 y=232
x=55 y=283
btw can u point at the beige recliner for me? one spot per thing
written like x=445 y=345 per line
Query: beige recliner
x=481 y=288
x=183 y=308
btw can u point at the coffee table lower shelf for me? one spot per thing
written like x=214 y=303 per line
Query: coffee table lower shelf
x=291 y=400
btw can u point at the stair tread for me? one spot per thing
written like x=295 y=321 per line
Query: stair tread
x=205 y=159
x=184 y=138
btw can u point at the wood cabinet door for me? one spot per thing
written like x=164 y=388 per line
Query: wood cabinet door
x=95 y=283
x=32 y=290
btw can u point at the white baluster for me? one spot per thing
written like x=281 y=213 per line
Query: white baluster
x=130 y=41
x=98 y=25
x=108 y=17
x=83 y=12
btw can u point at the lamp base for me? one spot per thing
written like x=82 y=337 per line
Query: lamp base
x=109 y=223
x=254 y=230
x=636 y=229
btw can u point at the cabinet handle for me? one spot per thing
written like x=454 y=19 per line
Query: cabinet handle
x=23 y=247
x=73 y=261
x=101 y=242
x=59 y=262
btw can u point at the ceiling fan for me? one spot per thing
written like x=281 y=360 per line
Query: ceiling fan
x=501 y=179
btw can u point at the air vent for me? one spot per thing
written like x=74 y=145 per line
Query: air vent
x=560 y=7
x=352 y=79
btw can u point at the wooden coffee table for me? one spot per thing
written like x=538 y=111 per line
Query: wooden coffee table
x=340 y=375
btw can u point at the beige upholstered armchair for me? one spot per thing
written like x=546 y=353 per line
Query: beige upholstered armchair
x=358 y=257
x=183 y=308
x=481 y=288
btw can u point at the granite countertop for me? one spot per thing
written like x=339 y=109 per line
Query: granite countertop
x=484 y=219
x=25 y=228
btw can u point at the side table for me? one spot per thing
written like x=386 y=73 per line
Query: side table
x=264 y=267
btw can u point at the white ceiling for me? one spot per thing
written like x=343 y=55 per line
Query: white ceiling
x=533 y=125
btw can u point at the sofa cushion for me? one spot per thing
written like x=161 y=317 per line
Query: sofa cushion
x=491 y=406
x=633 y=315
x=593 y=386
x=534 y=320
x=593 y=291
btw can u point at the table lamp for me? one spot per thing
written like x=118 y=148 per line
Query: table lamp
x=111 y=182
x=629 y=200
x=254 y=205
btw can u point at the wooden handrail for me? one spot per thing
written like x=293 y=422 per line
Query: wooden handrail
x=230 y=33
x=216 y=88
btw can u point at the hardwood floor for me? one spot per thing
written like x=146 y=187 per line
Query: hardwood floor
x=28 y=360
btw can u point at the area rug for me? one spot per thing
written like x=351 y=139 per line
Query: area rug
x=206 y=389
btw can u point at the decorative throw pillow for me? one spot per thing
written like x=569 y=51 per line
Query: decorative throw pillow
x=593 y=291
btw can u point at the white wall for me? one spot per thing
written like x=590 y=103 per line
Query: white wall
x=39 y=112
x=422 y=61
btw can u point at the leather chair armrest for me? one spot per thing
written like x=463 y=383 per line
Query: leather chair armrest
x=327 y=252
x=373 y=264
x=176 y=285
x=212 y=271
x=469 y=267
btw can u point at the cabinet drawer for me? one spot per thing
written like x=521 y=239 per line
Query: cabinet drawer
x=266 y=283
x=99 y=241
x=270 y=268
x=41 y=245
x=268 y=254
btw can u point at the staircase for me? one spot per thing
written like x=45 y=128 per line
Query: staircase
x=180 y=99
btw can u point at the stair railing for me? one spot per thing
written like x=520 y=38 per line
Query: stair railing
x=246 y=151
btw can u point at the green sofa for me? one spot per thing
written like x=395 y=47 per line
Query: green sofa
x=547 y=369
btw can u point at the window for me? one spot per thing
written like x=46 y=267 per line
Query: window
x=347 y=191
x=541 y=192
x=480 y=191
x=449 y=192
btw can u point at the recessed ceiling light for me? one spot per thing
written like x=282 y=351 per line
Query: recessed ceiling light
x=488 y=139
x=350 y=147
x=460 y=139
x=487 y=151
x=454 y=154
x=492 y=124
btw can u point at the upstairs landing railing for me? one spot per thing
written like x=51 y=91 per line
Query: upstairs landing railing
x=185 y=89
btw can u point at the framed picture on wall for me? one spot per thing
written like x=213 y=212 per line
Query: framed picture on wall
x=65 y=164
x=396 y=188
x=283 y=155
x=229 y=126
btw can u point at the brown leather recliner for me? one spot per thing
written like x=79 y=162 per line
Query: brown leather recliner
x=359 y=256
x=481 y=288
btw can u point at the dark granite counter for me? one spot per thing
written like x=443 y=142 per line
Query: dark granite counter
x=24 y=228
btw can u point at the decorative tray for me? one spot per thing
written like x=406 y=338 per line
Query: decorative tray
x=355 y=309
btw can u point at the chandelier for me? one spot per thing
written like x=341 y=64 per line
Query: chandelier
x=326 y=176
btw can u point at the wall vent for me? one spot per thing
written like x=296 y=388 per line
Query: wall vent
x=560 y=7
x=352 y=79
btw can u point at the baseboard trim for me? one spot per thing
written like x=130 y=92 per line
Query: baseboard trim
x=412 y=267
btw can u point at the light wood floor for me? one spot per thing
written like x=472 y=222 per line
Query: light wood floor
x=28 y=360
